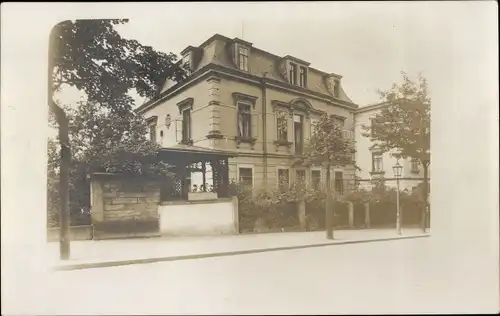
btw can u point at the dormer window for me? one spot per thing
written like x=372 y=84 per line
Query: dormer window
x=243 y=58
x=186 y=63
x=293 y=73
x=303 y=77
x=336 y=88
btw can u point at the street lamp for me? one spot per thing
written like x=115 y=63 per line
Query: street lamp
x=398 y=169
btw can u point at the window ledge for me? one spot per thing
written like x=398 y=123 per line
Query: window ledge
x=283 y=143
x=248 y=140
x=415 y=171
x=377 y=173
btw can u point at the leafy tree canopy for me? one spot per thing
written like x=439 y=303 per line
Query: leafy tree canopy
x=329 y=144
x=403 y=125
x=93 y=57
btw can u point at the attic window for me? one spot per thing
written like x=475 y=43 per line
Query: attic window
x=336 y=88
x=243 y=58
x=186 y=63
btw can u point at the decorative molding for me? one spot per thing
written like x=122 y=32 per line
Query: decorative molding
x=185 y=104
x=247 y=140
x=215 y=135
x=187 y=142
x=168 y=121
x=213 y=79
x=152 y=119
x=283 y=143
x=297 y=60
x=241 y=97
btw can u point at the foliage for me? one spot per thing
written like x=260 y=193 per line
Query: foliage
x=328 y=144
x=403 y=126
x=105 y=134
x=102 y=141
x=93 y=57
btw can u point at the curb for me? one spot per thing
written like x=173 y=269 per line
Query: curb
x=108 y=264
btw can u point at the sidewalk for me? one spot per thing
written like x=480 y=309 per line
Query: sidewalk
x=105 y=253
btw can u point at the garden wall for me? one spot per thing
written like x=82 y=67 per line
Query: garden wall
x=124 y=206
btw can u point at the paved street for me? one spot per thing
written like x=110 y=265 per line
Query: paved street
x=385 y=277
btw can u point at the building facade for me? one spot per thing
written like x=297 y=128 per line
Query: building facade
x=259 y=106
x=375 y=164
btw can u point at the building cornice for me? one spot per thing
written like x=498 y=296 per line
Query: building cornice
x=222 y=71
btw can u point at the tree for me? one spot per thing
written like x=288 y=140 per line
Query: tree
x=103 y=141
x=328 y=147
x=402 y=127
x=93 y=57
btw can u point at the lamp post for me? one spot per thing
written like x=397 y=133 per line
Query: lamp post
x=397 y=173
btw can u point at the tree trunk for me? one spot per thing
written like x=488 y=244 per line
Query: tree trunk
x=425 y=211
x=62 y=122
x=64 y=245
x=328 y=206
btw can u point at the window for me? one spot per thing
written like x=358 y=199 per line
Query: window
x=283 y=178
x=282 y=125
x=339 y=182
x=293 y=73
x=336 y=88
x=377 y=163
x=186 y=125
x=298 y=132
x=243 y=58
x=414 y=165
x=300 y=177
x=186 y=63
x=303 y=77
x=316 y=178
x=244 y=121
x=152 y=132
x=246 y=176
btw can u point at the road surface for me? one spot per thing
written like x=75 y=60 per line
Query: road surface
x=384 y=277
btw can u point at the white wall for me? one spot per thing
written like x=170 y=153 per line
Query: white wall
x=198 y=219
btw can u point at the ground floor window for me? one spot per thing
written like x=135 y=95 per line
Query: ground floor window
x=246 y=176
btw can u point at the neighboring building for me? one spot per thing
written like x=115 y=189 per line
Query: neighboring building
x=246 y=101
x=375 y=164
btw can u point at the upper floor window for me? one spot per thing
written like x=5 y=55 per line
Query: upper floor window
x=186 y=125
x=377 y=162
x=186 y=63
x=244 y=121
x=303 y=77
x=152 y=132
x=282 y=125
x=293 y=73
x=243 y=58
x=336 y=88
x=298 y=130
x=414 y=165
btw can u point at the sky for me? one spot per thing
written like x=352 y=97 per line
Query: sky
x=367 y=43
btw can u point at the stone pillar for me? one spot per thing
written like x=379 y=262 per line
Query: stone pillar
x=236 y=216
x=96 y=201
x=367 y=215
x=302 y=215
x=350 y=207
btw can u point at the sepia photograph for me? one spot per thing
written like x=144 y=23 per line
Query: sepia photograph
x=254 y=158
